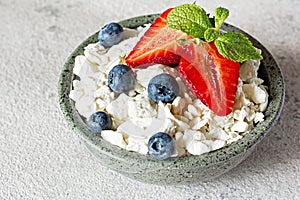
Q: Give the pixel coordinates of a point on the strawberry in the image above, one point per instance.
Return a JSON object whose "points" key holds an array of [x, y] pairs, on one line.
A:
{"points": [[211, 77], [157, 46]]}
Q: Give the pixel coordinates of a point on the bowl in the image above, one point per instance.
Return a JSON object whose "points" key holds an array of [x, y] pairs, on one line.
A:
{"points": [[182, 170]]}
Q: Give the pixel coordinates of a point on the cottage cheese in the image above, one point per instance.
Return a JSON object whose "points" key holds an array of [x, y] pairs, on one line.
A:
{"points": [[195, 129]]}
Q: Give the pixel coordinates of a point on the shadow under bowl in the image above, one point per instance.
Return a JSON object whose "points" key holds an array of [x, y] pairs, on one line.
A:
{"points": [[183, 170]]}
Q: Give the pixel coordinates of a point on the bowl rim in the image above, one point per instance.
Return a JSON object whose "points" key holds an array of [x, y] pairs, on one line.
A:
{"points": [[249, 140]]}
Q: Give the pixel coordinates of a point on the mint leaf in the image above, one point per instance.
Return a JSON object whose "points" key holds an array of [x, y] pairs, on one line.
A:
{"points": [[221, 15], [193, 20], [236, 47], [190, 19], [211, 34]]}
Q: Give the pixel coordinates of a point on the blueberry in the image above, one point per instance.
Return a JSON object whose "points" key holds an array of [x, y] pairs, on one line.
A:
{"points": [[161, 146], [110, 34], [99, 121], [121, 78], [163, 87]]}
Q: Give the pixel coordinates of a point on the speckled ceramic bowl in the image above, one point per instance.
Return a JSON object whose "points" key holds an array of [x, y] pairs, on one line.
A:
{"points": [[182, 170]]}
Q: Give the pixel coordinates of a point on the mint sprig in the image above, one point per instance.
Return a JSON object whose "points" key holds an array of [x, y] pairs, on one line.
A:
{"points": [[193, 20], [189, 18]]}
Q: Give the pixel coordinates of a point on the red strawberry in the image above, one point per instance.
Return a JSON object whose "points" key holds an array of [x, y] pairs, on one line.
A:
{"points": [[211, 77], [158, 45]]}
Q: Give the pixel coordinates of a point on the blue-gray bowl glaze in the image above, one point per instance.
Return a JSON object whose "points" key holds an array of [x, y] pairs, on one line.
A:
{"points": [[183, 170]]}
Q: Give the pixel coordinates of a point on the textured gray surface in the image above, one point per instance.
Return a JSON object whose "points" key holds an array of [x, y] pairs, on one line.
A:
{"points": [[41, 158]]}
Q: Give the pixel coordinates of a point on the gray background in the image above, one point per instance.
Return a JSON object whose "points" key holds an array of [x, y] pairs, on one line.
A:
{"points": [[41, 158]]}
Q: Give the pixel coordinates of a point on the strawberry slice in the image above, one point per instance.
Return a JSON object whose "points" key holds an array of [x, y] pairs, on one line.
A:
{"points": [[211, 77], [157, 46]]}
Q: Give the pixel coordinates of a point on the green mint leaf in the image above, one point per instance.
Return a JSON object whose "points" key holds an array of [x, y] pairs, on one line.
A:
{"points": [[220, 15], [211, 34], [236, 47], [190, 19]]}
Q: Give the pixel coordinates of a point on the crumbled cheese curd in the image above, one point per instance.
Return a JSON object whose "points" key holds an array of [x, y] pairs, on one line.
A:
{"points": [[194, 128]]}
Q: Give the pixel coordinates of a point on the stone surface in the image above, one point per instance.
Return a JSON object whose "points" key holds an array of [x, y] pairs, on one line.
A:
{"points": [[41, 158]]}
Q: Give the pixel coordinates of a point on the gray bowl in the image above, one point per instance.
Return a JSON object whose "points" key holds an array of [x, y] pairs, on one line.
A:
{"points": [[183, 170]]}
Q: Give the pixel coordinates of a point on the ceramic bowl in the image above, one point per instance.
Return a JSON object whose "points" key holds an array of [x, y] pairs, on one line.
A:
{"points": [[183, 170]]}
